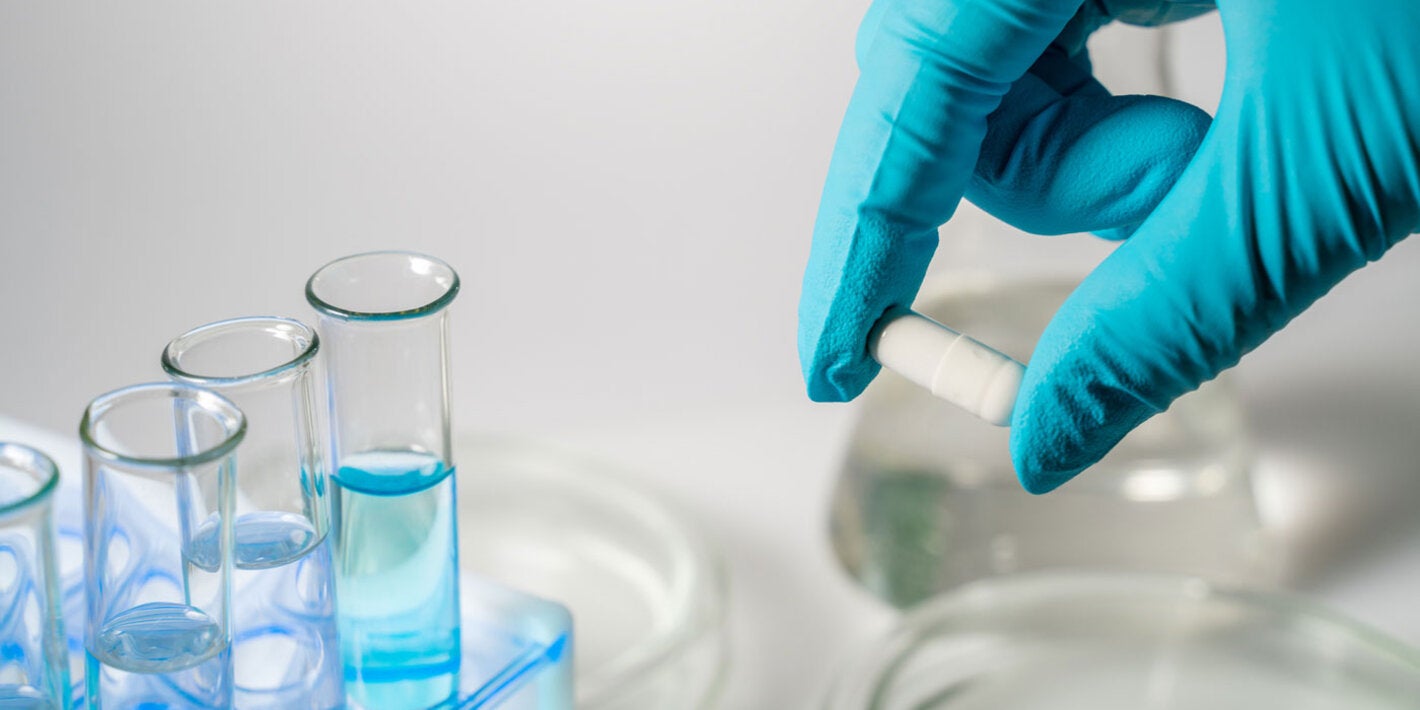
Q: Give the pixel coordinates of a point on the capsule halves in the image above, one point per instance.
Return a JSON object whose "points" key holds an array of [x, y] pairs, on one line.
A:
{"points": [[954, 367]]}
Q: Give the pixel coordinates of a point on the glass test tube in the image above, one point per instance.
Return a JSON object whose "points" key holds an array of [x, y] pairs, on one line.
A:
{"points": [[34, 665], [384, 323], [159, 464], [284, 648]]}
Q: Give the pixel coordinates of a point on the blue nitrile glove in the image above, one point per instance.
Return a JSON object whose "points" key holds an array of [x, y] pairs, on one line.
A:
{"points": [[1310, 169]]}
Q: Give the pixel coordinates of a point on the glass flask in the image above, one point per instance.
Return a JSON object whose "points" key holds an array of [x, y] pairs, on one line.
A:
{"points": [[34, 665], [927, 497], [159, 464], [284, 648], [384, 325], [1125, 642]]}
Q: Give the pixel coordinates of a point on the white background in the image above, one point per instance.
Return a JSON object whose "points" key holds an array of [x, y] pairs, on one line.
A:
{"points": [[627, 189]]}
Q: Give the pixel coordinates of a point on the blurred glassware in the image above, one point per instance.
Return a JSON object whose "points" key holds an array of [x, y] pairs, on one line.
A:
{"points": [[34, 668], [644, 586], [284, 648], [927, 498], [159, 463], [1124, 642]]}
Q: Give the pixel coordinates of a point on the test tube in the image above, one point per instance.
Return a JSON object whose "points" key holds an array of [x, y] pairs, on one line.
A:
{"points": [[284, 648], [34, 664], [384, 325], [159, 464]]}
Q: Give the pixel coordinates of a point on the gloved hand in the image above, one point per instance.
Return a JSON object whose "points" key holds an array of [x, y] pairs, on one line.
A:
{"points": [[1310, 169]]}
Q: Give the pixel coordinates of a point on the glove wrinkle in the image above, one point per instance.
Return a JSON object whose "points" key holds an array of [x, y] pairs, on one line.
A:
{"points": [[932, 72]]}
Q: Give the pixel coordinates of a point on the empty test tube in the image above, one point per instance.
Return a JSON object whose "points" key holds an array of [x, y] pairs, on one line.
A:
{"points": [[954, 367], [159, 464]]}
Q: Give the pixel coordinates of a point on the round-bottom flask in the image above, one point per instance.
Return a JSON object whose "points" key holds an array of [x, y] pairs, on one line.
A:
{"points": [[927, 498]]}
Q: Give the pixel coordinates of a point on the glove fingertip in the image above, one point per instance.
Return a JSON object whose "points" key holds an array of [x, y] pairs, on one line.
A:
{"points": [[1039, 450], [831, 378], [825, 388], [1076, 403], [1056, 438]]}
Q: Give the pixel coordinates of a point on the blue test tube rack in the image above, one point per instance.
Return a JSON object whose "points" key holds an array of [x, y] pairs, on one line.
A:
{"points": [[516, 648]]}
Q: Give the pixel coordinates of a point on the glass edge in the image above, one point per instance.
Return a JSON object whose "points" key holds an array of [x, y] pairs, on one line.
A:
{"points": [[1294, 605], [888, 649], [217, 452], [329, 309], [709, 584], [307, 355], [43, 492]]}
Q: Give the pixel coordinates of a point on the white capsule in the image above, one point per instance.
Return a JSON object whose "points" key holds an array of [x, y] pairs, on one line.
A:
{"points": [[954, 367]]}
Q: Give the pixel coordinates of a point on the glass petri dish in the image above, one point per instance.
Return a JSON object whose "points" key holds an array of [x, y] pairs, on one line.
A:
{"points": [[927, 498], [646, 591], [1126, 642]]}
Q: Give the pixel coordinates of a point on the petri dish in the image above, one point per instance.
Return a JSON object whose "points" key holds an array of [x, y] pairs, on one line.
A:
{"points": [[927, 499], [646, 590], [1126, 642]]}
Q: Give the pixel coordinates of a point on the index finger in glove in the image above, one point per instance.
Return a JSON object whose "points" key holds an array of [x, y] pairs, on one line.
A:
{"points": [[932, 71]]}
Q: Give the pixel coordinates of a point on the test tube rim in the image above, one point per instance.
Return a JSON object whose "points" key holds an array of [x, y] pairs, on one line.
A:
{"points": [[171, 367], [325, 307], [36, 460], [208, 399]]}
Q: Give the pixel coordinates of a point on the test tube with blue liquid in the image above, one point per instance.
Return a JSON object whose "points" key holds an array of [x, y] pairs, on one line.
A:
{"points": [[33, 660], [384, 325], [159, 473], [285, 652]]}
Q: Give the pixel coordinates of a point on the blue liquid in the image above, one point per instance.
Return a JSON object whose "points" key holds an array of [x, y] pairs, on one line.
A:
{"points": [[397, 575], [23, 698], [158, 637], [284, 651], [159, 655]]}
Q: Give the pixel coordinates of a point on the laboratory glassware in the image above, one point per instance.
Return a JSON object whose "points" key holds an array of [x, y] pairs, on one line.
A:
{"points": [[384, 328], [34, 665], [643, 581], [284, 648], [1118, 641], [159, 470], [927, 498]]}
